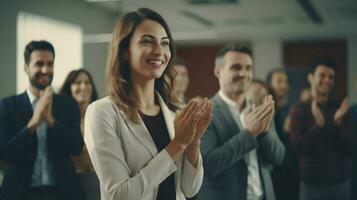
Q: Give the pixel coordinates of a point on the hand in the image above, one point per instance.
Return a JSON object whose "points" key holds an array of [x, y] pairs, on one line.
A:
{"points": [[316, 112], [287, 126], [47, 112], [341, 111], [268, 99], [43, 110], [185, 123], [258, 119], [205, 118]]}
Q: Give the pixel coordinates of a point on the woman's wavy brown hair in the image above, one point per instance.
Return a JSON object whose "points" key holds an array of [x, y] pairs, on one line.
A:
{"points": [[118, 69]]}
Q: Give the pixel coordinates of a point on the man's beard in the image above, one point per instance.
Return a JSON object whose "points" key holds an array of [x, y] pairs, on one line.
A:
{"points": [[34, 83]]}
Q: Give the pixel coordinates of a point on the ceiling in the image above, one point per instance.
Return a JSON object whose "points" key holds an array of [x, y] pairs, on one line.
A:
{"points": [[222, 20]]}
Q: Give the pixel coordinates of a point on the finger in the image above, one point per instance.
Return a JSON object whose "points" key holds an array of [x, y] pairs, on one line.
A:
{"points": [[188, 107], [345, 103], [206, 110], [205, 106], [199, 111], [322, 120], [190, 114], [263, 110], [259, 109], [41, 93], [314, 104], [267, 117]]}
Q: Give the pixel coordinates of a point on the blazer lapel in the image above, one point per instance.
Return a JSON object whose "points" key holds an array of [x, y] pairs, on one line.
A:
{"points": [[140, 131], [225, 113], [169, 117], [142, 134], [23, 109]]}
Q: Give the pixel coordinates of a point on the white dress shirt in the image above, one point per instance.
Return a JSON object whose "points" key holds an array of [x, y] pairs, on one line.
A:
{"points": [[254, 185]]}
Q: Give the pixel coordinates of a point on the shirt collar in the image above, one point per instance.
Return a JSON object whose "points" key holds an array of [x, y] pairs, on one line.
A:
{"points": [[228, 101], [31, 96]]}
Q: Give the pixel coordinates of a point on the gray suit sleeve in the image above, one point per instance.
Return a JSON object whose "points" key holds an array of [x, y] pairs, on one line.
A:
{"points": [[271, 149], [219, 156]]}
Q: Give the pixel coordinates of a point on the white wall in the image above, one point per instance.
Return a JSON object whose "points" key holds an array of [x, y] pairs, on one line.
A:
{"points": [[92, 19], [267, 55]]}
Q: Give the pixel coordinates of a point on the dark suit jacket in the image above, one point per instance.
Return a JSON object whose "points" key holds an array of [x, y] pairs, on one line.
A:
{"points": [[223, 148], [18, 148]]}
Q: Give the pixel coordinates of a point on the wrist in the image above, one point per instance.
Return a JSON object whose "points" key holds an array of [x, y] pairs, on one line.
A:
{"points": [[175, 149], [50, 122], [32, 124], [194, 144]]}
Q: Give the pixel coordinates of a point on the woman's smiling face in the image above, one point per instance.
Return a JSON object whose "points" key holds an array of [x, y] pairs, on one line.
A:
{"points": [[149, 51]]}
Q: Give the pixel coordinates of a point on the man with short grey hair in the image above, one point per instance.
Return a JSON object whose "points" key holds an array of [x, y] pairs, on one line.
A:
{"points": [[240, 145]]}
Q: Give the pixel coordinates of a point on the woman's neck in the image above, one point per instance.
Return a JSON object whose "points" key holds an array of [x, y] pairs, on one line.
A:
{"points": [[145, 94]]}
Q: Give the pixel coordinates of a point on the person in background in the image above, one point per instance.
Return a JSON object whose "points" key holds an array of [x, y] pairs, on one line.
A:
{"points": [[324, 138], [286, 176], [1, 173], [139, 147], [181, 80], [240, 146], [257, 92], [39, 132], [79, 85], [279, 82], [354, 156]]}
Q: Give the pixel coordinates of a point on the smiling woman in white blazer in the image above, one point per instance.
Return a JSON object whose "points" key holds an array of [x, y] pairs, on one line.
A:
{"points": [[122, 148]]}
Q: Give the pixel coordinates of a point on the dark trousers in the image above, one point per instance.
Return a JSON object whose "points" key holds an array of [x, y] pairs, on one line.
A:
{"points": [[325, 192], [45, 193], [90, 183]]}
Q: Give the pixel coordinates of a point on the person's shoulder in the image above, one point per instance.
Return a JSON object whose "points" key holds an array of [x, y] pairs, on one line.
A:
{"points": [[103, 105], [217, 100], [9, 100], [102, 109]]}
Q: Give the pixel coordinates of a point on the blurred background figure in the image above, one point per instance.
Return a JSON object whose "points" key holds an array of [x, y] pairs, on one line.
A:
{"points": [[305, 95], [324, 138], [257, 92], [181, 80], [278, 80], [1, 173], [354, 156], [79, 85], [286, 176]]}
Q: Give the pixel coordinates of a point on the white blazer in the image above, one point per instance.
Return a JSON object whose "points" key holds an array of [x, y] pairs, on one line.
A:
{"points": [[125, 157]]}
